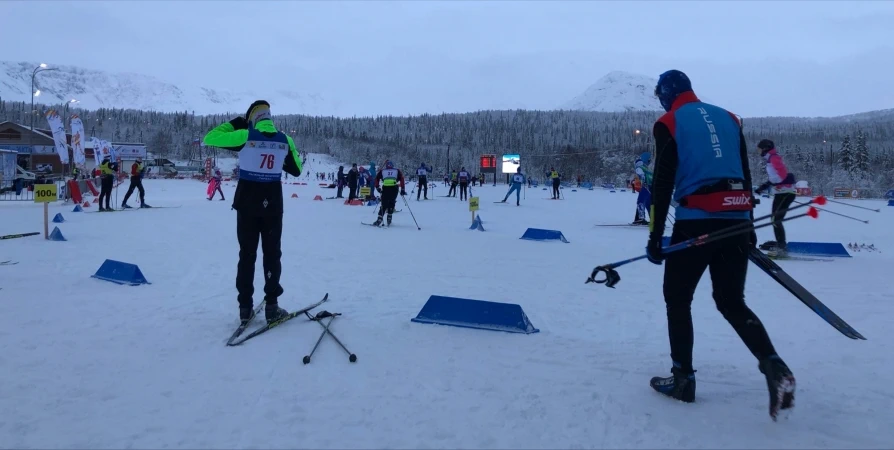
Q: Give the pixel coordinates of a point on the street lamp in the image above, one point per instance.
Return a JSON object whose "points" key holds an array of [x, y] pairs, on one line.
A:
{"points": [[41, 68]]}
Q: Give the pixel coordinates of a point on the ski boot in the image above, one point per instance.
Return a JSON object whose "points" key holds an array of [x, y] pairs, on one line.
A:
{"points": [[274, 313], [767, 245], [642, 222], [389, 220], [680, 385], [378, 222], [777, 251], [126, 206], [145, 205], [245, 314], [780, 384]]}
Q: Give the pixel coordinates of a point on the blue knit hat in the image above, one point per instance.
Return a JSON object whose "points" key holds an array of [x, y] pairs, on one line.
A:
{"points": [[670, 85]]}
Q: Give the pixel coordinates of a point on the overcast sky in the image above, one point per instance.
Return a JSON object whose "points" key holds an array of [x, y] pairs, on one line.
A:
{"points": [[755, 58]]}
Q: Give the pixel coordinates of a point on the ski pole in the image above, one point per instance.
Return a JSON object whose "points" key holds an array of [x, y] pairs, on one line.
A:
{"points": [[323, 314], [839, 214], [854, 206], [13, 236], [306, 359], [411, 212], [611, 275], [612, 278]]}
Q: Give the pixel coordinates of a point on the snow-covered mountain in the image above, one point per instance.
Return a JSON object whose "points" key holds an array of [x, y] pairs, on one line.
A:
{"points": [[98, 89], [617, 92]]}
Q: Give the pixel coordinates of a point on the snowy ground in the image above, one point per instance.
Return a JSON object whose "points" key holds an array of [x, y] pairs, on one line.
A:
{"points": [[90, 364]]}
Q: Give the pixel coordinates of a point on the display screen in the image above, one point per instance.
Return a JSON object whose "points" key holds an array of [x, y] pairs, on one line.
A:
{"points": [[489, 163], [511, 163]]}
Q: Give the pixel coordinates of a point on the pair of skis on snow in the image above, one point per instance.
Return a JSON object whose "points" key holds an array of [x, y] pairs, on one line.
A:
{"points": [[235, 337], [8, 263]]}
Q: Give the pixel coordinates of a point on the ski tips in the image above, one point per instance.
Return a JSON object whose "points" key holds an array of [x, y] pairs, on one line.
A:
{"points": [[820, 200], [813, 212]]}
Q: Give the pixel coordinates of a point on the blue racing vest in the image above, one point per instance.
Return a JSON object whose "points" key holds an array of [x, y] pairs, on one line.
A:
{"points": [[261, 158], [708, 153]]}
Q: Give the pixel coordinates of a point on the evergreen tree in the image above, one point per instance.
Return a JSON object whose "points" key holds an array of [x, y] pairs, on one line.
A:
{"points": [[861, 155], [846, 155]]}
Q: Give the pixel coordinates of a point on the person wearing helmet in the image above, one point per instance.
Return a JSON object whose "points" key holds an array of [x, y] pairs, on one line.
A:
{"points": [[264, 153], [136, 182], [463, 178], [644, 176], [107, 171], [782, 182], [518, 179], [388, 181], [557, 181], [216, 182], [701, 163], [422, 181]]}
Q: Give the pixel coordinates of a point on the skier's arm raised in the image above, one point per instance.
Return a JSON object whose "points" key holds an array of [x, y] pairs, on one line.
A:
{"points": [[292, 164], [231, 135]]}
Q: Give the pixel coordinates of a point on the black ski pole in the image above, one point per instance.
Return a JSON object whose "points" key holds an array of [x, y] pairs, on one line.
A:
{"points": [[323, 314], [855, 206], [411, 212], [14, 236], [839, 214], [611, 275], [306, 359]]}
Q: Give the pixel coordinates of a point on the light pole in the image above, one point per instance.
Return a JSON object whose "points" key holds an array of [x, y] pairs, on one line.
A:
{"points": [[41, 68]]}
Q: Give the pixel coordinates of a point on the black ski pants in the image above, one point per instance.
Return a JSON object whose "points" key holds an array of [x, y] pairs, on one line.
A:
{"points": [[137, 183], [105, 190], [249, 229], [781, 203], [464, 191], [421, 186], [352, 191], [556, 183], [727, 261], [389, 200], [452, 192]]}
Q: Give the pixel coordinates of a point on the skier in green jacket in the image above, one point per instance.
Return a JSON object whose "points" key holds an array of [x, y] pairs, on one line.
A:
{"points": [[264, 153]]}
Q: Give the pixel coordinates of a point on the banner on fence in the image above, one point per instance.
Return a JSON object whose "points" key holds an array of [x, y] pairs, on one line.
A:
{"points": [[58, 130], [77, 141]]}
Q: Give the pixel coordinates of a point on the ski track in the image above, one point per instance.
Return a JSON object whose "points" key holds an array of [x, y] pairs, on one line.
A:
{"points": [[90, 364]]}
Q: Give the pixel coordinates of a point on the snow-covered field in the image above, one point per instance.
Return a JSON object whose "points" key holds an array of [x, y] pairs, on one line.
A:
{"points": [[91, 364]]}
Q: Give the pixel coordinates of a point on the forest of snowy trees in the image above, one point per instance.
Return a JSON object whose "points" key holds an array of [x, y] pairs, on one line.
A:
{"points": [[850, 151]]}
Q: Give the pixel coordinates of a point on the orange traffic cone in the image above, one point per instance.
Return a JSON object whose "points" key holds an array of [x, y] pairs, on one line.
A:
{"points": [[86, 204]]}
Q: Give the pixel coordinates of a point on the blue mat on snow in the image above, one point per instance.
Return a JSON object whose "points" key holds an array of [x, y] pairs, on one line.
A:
{"points": [[831, 249], [477, 314], [536, 234]]}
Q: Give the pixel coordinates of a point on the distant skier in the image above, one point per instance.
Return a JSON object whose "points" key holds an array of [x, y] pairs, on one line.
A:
{"points": [[340, 182], [517, 181], [782, 183], [422, 181], [388, 182], [353, 180], [264, 153], [644, 176], [557, 181], [107, 171], [463, 178], [701, 175], [136, 182], [216, 182], [453, 182]]}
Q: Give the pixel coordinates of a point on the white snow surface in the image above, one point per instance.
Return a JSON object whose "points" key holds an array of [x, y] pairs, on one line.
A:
{"points": [[618, 92], [91, 364], [96, 89]]}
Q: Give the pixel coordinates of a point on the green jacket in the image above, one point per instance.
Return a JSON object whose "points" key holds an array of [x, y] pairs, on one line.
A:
{"points": [[227, 136]]}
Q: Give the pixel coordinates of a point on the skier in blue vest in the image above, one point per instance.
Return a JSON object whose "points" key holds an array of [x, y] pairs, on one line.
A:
{"points": [[518, 179], [644, 200], [701, 163]]}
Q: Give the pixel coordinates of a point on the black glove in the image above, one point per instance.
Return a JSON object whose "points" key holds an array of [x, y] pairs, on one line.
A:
{"points": [[379, 190], [403, 192], [239, 123], [752, 239], [755, 201], [653, 249]]}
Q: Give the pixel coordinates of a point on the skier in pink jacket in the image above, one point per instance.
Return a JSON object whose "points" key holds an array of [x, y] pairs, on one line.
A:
{"points": [[782, 182]]}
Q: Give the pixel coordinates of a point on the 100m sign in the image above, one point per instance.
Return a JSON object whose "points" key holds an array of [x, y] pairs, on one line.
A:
{"points": [[45, 193]]}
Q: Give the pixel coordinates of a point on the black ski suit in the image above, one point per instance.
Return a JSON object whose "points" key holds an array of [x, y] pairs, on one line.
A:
{"points": [[422, 183], [353, 177], [389, 182], [341, 179], [463, 185]]}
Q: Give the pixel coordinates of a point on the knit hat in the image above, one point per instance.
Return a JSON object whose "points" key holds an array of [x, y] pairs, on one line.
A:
{"points": [[766, 145], [258, 111], [670, 85], [389, 164]]}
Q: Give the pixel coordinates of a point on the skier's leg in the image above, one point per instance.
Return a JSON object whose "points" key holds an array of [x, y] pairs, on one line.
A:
{"points": [[728, 267], [271, 245], [248, 231], [682, 272], [142, 191]]}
